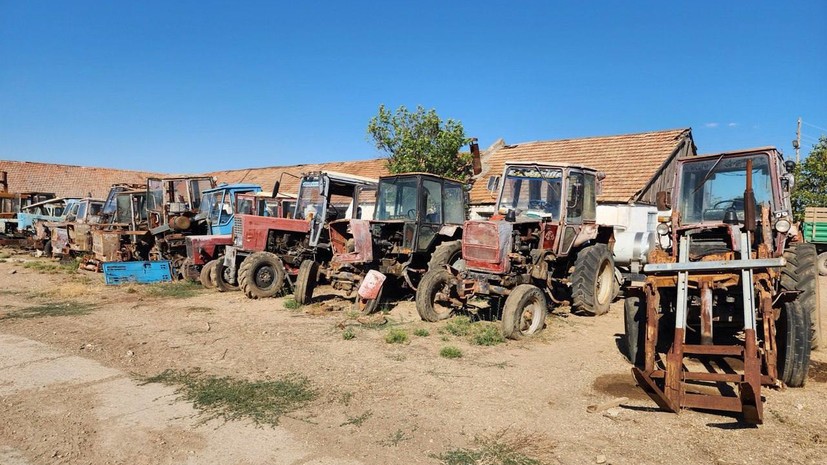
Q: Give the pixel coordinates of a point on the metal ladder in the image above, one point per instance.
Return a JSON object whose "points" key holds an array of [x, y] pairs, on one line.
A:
{"points": [[673, 395]]}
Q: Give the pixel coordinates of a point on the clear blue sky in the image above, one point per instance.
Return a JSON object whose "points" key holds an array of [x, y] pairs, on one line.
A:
{"points": [[193, 86]]}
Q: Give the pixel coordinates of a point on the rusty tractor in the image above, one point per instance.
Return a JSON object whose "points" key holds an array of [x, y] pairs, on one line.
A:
{"points": [[172, 208], [205, 251], [417, 225], [542, 243], [123, 231], [728, 296], [267, 249], [11, 204], [72, 235]]}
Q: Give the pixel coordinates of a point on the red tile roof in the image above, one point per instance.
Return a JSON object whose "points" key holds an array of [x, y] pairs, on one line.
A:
{"points": [[67, 180], [629, 160]]}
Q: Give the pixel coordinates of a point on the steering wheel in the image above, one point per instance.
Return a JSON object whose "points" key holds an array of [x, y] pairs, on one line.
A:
{"points": [[722, 202], [411, 213], [332, 211]]}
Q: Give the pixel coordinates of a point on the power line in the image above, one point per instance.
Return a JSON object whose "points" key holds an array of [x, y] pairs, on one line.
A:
{"points": [[813, 126]]}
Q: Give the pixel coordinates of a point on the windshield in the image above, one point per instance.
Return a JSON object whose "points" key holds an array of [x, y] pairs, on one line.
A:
{"points": [[532, 192], [397, 199], [210, 206], [711, 187], [310, 201]]}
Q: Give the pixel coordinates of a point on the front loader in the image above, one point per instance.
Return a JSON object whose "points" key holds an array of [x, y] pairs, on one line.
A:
{"points": [[728, 300]]}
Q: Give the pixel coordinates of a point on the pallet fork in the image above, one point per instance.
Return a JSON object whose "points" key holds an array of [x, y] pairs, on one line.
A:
{"points": [[668, 386]]}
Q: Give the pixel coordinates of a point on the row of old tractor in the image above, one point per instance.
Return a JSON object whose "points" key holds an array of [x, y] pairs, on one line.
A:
{"points": [[723, 277]]}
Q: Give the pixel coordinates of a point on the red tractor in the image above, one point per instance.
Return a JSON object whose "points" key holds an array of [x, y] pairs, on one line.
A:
{"points": [[543, 243], [729, 297], [205, 251], [266, 248], [417, 225]]}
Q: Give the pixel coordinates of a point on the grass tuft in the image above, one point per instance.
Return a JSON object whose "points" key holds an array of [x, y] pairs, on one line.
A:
{"points": [[450, 352], [175, 290], [68, 308], [486, 333], [503, 448], [421, 332], [263, 401], [357, 421], [458, 326], [291, 304], [396, 336], [49, 267], [348, 334]]}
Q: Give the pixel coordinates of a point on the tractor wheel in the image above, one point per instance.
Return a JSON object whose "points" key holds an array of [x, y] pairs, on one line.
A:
{"points": [[431, 294], [306, 282], [800, 274], [445, 254], [593, 280], [223, 279], [368, 306], [634, 320], [206, 274], [792, 331], [261, 275], [189, 271], [524, 312], [822, 264]]}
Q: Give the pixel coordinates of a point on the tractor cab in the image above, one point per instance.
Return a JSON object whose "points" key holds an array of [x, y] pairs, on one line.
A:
{"points": [[172, 202], [416, 206], [218, 206]]}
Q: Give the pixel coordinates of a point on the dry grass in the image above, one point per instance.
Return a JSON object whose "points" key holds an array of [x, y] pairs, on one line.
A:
{"points": [[505, 447]]}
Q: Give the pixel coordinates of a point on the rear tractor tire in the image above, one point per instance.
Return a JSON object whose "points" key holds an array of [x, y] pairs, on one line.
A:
{"points": [[446, 253], [801, 274], [433, 291], [593, 280], [206, 274], [261, 275], [524, 312], [306, 282]]}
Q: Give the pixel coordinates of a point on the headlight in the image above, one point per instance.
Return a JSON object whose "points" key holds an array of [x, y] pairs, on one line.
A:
{"points": [[782, 225], [662, 229]]}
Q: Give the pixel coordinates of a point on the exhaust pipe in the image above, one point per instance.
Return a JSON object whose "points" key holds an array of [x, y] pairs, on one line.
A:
{"points": [[476, 161]]}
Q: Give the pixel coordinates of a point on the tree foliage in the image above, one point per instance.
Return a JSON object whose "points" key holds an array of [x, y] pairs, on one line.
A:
{"points": [[421, 141], [810, 188]]}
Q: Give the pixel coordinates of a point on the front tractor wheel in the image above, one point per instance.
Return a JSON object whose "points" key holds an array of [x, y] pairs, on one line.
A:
{"points": [[634, 321], [368, 306], [306, 282], [206, 274], [433, 293], [821, 264], [223, 278], [792, 339], [593, 280], [524, 312], [261, 275]]}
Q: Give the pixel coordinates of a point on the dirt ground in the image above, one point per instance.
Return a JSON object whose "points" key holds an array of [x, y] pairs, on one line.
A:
{"points": [[71, 389]]}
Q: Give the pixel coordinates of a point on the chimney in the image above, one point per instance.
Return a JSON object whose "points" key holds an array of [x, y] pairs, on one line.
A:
{"points": [[4, 181], [475, 156]]}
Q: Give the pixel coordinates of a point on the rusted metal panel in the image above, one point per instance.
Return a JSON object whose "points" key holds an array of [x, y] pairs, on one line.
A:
{"points": [[255, 229], [372, 285], [485, 245], [106, 245], [203, 248]]}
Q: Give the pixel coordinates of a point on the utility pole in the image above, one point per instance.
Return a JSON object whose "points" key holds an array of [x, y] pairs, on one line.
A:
{"points": [[797, 141]]}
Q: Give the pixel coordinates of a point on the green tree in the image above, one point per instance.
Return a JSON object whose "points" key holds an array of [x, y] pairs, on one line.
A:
{"points": [[810, 188], [421, 141]]}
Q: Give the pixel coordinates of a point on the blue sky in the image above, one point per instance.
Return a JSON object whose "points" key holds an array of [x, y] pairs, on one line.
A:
{"points": [[194, 86]]}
